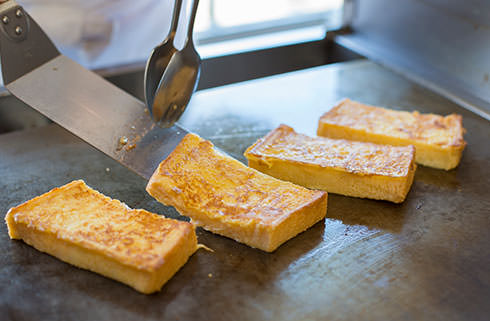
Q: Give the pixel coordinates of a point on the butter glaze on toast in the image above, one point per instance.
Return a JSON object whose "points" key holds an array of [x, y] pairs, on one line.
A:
{"points": [[438, 140], [87, 229], [335, 165], [226, 197]]}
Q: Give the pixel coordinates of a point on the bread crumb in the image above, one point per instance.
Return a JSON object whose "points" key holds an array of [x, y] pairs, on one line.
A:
{"points": [[130, 147], [123, 140], [202, 246]]}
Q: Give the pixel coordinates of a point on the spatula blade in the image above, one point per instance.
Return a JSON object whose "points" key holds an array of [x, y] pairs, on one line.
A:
{"points": [[95, 110]]}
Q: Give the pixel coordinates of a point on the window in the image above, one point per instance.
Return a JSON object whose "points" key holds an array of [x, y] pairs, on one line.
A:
{"points": [[230, 19]]}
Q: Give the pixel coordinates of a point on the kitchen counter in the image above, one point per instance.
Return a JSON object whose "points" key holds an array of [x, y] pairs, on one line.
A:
{"points": [[425, 259]]}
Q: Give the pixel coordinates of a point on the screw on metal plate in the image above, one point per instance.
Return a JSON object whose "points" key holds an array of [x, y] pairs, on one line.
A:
{"points": [[15, 23], [24, 46]]}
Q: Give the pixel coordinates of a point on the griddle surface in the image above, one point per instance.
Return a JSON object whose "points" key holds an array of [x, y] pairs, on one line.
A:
{"points": [[426, 259]]}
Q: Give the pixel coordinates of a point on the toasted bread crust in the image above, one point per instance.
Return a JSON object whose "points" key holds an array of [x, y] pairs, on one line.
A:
{"points": [[335, 165], [83, 227], [283, 143], [438, 140], [228, 198]]}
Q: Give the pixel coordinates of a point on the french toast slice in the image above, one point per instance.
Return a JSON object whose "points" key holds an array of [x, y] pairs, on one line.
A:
{"points": [[338, 166], [228, 198], [438, 140], [83, 227]]}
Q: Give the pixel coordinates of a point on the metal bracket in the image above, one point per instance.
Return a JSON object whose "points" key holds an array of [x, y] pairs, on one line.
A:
{"points": [[14, 23], [23, 44]]}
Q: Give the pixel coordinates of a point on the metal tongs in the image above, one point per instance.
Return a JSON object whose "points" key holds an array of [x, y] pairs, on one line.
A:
{"points": [[79, 100], [171, 75]]}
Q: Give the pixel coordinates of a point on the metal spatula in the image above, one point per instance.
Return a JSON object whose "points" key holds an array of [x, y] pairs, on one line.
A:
{"points": [[84, 103]]}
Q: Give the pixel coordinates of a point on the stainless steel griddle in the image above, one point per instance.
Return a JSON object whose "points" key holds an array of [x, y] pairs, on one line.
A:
{"points": [[425, 259]]}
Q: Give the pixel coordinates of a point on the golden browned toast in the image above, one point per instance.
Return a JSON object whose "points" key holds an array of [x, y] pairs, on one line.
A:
{"points": [[339, 166], [224, 196], [438, 140], [81, 226]]}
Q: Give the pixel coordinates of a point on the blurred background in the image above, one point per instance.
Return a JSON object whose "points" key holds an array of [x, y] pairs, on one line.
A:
{"points": [[440, 44], [107, 33], [237, 40]]}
